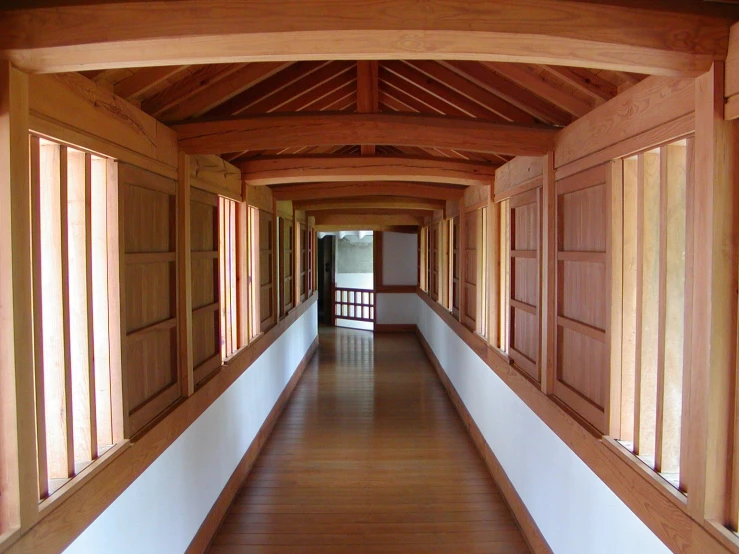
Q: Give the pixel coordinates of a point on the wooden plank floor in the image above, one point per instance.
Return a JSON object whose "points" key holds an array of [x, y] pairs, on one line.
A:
{"points": [[369, 456]]}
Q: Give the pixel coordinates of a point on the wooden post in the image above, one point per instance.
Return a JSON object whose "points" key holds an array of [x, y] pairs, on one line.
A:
{"points": [[714, 300], [548, 275], [19, 501], [184, 277]]}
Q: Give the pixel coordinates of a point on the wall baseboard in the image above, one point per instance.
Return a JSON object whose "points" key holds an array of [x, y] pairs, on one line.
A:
{"points": [[528, 526], [214, 518], [394, 327]]}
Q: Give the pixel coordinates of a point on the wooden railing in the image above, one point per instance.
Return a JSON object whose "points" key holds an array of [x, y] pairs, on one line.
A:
{"points": [[354, 304]]}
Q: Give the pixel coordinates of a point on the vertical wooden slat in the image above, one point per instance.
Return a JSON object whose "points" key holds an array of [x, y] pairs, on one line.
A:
{"points": [[493, 272], [116, 304], [90, 318], [243, 261], [184, 278], [19, 501], [714, 298], [222, 246], [614, 242], [66, 318], [639, 300], [38, 335], [688, 317], [662, 309], [548, 272]]}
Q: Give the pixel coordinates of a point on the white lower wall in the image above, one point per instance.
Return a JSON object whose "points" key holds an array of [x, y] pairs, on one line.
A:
{"points": [[396, 308], [162, 510], [575, 511]]}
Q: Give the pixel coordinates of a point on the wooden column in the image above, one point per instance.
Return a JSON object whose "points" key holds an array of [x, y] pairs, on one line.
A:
{"points": [[548, 272], [184, 277], [19, 495], [712, 331]]}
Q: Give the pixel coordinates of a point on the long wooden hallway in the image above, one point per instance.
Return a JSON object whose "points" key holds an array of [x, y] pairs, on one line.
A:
{"points": [[369, 456]]}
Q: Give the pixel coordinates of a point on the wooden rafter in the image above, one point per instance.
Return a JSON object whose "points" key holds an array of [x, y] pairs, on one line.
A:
{"points": [[586, 81], [421, 100], [557, 32], [297, 130], [510, 92], [213, 93], [311, 169], [144, 80]]}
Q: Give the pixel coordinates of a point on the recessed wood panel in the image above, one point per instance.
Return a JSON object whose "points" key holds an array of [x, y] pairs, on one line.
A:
{"points": [[583, 220], [580, 361], [203, 225], [583, 293], [524, 334], [526, 227], [525, 280], [204, 282], [266, 271], [150, 296], [156, 356], [149, 217], [205, 341]]}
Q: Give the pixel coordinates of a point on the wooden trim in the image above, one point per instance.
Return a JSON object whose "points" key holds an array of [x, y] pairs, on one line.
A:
{"points": [[526, 254], [533, 184], [643, 107], [204, 254], [530, 530], [669, 522], [668, 132], [206, 368], [210, 525], [150, 258], [158, 327], [60, 526], [587, 257], [528, 308], [394, 327], [203, 196], [581, 328], [548, 276], [141, 417], [215, 175]]}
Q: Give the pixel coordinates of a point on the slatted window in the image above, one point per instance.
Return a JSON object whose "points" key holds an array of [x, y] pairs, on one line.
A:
{"points": [[654, 309], [423, 259], [433, 261], [504, 282], [455, 269], [266, 243], [228, 256], [254, 268], [305, 261], [474, 313], [76, 310], [286, 256]]}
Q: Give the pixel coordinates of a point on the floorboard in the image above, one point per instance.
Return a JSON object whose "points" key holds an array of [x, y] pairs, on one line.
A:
{"points": [[369, 456]]}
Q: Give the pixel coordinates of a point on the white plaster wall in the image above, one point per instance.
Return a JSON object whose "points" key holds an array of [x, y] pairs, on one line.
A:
{"points": [[355, 281], [162, 510], [575, 511], [399, 259], [396, 308]]}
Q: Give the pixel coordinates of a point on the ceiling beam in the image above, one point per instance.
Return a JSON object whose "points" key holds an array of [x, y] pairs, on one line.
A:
{"points": [[367, 221], [375, 227], [557, 32], [295, 130], [318, 193], [367, 94], [144, 80], [371, 203], [315, 169]]}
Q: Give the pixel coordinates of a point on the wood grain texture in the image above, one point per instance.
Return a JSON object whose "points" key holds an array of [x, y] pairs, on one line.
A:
{"points": [[72, 38], [264, 132], [312, 169], [369, 456], [360, 191], [216, 175], [520, 170], [649, 104]]}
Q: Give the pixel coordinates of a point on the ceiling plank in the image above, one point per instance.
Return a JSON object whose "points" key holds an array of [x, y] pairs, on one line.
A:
{"points": [[311, 169], [371, 202], [367, 94], [471, 90], [145, 79], [586, 81], [510, 92], [413, 95], [318, 96], [317, 129], [211, 94], [553, 32], [342, 191], [540, 87], [200, 79]]}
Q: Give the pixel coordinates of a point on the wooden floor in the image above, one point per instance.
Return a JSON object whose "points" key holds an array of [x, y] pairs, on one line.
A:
{"points": [[369, 456]]}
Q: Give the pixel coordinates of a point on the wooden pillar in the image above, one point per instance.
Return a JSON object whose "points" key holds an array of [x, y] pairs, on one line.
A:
{"points": [[184, 277], [19, 494], [547, 272], [713, 329]]}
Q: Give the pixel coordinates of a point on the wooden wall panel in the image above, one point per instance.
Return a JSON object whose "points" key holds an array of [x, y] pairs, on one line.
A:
{"points": [[433, 260], [583, 294], [149, 293], [266, 271], [287, 265], [204, 241], [471, 238], [456, 266]]}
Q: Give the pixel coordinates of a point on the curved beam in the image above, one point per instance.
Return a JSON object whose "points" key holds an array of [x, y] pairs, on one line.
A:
{"points": [[556, 32], [280, 170], [268, 132], [326, 192], [370, 203]]}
